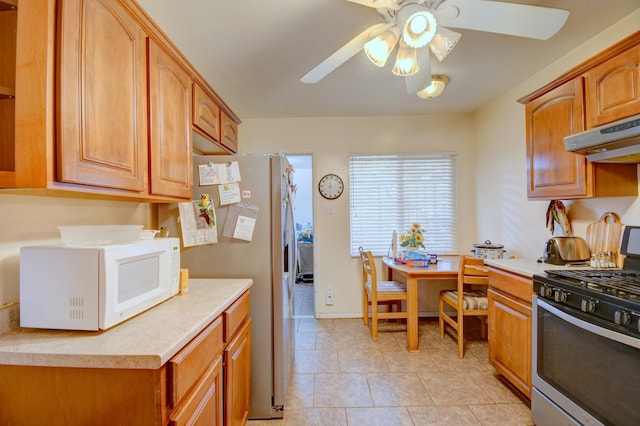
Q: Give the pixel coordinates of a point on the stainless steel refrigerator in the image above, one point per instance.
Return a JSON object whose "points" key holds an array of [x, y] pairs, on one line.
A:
{"points": [[269, 259]]}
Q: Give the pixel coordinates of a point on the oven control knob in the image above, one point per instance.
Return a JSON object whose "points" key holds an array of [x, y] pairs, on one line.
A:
{"points": [[546, 291], [560, 296], [588, 306], [622, 318]]}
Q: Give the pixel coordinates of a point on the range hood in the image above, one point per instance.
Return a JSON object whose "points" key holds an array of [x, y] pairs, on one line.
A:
{"points": [[617, 142]]}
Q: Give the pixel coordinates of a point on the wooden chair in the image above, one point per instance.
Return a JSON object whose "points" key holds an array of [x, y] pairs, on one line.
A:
{"points": [[376, 293], [472, 275]]}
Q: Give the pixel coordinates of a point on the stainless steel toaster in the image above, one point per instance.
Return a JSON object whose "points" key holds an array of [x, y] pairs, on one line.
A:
{"points": [[563, 250]]}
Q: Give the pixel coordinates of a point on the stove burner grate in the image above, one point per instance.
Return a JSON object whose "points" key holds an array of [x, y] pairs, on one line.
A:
{"points": [[616, 282]]}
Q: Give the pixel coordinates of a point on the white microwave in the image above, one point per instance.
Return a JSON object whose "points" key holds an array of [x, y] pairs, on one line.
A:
{"points": [[95, 287]]}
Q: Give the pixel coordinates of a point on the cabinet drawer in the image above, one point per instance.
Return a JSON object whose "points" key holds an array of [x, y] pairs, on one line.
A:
{"points": [[204, 404], [188, 365], [511, 284], [235, 315]]}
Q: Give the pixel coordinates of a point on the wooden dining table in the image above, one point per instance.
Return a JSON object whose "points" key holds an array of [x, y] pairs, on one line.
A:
{"points": [[446, 269]]}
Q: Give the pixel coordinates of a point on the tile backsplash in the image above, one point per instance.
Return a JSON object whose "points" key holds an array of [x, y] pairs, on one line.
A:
{"points": [[9, 317]]}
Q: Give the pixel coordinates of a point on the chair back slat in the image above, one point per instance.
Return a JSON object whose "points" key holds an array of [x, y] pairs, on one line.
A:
{"points": [[391, 295], [472, 272], [368, 269]]}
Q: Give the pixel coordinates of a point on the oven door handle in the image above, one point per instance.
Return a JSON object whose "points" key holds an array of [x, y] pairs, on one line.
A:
{"points": [[573, 319]]}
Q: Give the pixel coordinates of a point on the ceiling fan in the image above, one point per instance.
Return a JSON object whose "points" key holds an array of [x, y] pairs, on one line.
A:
{"points": [[420, 26]]}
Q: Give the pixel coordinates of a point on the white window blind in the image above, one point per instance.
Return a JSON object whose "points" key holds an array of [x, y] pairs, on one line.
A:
{"points": [[390, 192]]}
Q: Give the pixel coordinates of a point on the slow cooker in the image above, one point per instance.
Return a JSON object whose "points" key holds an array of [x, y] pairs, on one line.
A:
{"points": [[488, 250]]}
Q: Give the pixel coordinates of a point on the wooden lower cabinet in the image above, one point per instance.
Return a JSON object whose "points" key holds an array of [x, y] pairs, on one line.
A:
{"points": [[237, 372], [510, 322], [204, 406], [206, 383]]}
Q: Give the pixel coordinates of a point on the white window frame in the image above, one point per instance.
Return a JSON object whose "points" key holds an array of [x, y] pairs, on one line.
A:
{"points": [[391, 192]]}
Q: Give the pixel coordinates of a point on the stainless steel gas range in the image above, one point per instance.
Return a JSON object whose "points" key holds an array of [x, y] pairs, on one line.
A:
{"points": [[586, 343]]}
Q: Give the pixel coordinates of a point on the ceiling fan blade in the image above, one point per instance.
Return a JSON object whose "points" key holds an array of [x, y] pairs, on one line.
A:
{"points": [[388, 4], [422, 78], [345, 53], [520, 20]]}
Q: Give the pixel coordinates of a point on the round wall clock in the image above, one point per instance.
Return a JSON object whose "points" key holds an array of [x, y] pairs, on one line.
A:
{"points": [[331, 186]]}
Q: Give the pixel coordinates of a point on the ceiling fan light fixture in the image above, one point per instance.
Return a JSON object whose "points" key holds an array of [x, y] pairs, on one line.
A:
{"points": [[406, 61], [379, 48], [419, 29], [443, 42], [435, 89]]}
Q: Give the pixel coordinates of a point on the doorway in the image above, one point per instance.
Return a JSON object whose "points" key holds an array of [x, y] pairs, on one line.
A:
{"points": [[303, 301]]}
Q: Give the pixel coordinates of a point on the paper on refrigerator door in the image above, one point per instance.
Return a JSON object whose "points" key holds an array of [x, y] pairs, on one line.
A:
{"points": [[244, 228], [229, 193], [198, 223], [241, 221], [219, 173]]}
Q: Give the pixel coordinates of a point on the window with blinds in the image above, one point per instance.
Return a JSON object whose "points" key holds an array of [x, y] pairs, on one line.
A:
{"points": [[391, 192]]}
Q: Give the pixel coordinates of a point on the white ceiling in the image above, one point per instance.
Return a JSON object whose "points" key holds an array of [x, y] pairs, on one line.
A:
{"points": [[253, 53]]}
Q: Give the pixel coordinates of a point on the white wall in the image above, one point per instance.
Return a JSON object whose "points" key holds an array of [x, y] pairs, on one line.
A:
{"points": [[303, 179], [504, 213], [331, 140]]}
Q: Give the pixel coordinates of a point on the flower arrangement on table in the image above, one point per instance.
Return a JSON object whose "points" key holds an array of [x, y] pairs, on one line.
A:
{"points": [[413, 241], [414, 238]]}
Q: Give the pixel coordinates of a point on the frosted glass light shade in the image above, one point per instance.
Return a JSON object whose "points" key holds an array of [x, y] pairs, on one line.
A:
{"points": [[379, 48], [435, 89], [443, 42], [419, 29], [406, 61]]}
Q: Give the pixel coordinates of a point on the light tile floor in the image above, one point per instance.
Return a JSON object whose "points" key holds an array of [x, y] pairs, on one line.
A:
{"points": [[303, 300], [342, 377]]}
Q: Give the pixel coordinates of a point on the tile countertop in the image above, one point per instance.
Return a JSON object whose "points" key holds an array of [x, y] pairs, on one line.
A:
{"points": [[146, 341], [526, 267]]}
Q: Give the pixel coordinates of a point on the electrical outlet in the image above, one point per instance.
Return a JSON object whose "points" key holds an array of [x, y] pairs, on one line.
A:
{"points": [[329, 300]]}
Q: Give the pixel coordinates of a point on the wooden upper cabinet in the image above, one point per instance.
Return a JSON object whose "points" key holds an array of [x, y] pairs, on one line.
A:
{"points": [[602, 89], [206, 114], [552, 172], [102, 134], [170, 146], [216, 132], [80, 81], [8, 25], [613, 88], [229, 132]]}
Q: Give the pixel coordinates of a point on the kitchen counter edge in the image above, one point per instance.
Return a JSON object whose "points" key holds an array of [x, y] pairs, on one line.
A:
{"points": [[525, 266], [146, 341]]}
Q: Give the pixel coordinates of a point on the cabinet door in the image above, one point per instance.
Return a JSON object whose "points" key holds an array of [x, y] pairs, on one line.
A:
{"points": [[510, 339], [170, 148], [552, 172], [238, 377], [204, 405], [8, 29], [229, 130], [613, 88], [102, 124], [206, 114]]}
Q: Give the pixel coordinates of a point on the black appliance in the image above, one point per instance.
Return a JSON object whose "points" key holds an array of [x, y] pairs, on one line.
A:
{"points": [[586, 343]]}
